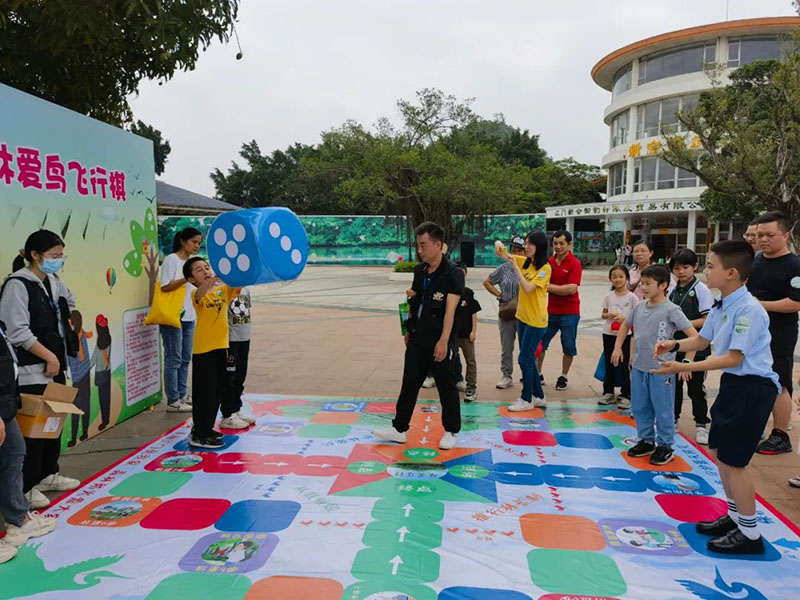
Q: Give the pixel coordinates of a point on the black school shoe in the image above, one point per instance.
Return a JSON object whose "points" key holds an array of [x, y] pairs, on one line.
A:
{"points": [[561, 383], [717, 527], [735, 542], [641, 448], [206, 442], [778, 442], [662, 456]]}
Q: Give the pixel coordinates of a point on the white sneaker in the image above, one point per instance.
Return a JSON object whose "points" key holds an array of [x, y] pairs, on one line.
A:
{"points": [[520, 406], [37, 499], [179, 406], [461, 386], [7, 551], [57, 483], [505, 382], [187, 400], [448, 441], [471, 396], [623, 403], [249, 419], [35, 526], [390, 434], [539, 402], [233, 422], [429, 382], [701, 435], [607, 399]]}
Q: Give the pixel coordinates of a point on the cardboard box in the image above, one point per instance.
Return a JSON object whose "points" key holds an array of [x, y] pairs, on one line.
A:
{"points": [[43, 416]]}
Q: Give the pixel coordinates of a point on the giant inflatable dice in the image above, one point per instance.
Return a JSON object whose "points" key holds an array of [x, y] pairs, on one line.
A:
{"points": [[258, 245]]}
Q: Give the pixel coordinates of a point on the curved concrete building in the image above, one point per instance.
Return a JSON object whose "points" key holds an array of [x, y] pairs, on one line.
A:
{"points": [[649, 81]]}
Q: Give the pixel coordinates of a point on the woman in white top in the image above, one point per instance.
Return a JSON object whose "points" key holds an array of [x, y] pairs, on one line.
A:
{"points": [[178, 341], [643, 258]]}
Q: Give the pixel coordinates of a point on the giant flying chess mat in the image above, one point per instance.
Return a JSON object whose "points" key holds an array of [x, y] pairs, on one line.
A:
{"points": [[305, 504]]}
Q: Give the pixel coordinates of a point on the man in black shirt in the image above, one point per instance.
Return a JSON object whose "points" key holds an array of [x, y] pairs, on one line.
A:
{"points": [[775, 281], [431, 338]]}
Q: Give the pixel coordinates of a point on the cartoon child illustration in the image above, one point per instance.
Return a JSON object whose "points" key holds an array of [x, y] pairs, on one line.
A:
{"points": [[101, 359], [79, 368]]}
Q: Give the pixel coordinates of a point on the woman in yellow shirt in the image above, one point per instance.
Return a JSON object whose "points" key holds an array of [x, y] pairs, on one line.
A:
{"points": [[533, 272]]}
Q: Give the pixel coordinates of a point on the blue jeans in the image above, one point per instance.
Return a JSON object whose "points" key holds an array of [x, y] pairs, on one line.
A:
{"points": [[653, 406], [568, 326], [13, 505], [529, 338], [177, 358]]}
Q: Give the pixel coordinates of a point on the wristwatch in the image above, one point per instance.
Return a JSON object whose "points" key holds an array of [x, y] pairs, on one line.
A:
{"points": [[686, 360], [676, 347]]}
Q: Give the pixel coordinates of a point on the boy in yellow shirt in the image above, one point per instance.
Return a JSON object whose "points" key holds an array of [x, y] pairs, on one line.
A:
{"points": [[210, 379]]}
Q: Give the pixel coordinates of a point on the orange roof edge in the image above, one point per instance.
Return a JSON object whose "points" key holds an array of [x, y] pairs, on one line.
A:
{"points": [[726, 26]]}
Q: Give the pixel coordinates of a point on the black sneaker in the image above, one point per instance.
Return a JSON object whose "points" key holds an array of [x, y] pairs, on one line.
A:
{"points": [[662, 456], [207, 442], [718, 527], [216, 435], [541, 378], [735, 542], [778, 442], [642, 448], [561, 383]]}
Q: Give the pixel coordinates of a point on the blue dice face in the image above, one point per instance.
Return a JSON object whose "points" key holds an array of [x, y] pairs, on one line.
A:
{"points": [[283, 243], [233, 250], [261, 245]]}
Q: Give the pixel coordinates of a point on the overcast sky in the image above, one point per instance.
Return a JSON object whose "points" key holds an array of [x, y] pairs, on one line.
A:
{"points": [[310, 65]]}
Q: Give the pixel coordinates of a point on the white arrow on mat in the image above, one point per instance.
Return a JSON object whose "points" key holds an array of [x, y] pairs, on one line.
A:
{"points": [[427, 419], [612, 478], [424, 440], [408, 508], [396, 562], [402, 531], [323, 465], [563, 475], [426, 429], [277, 464]]}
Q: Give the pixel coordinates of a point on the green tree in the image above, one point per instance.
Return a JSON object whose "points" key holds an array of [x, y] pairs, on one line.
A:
{"points": [[429, 170], [144, 256], [747, 141], [272, 180], [161, 147], [91, 55], [565, 181]]}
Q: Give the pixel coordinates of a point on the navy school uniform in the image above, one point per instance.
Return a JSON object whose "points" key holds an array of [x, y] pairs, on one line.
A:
{"points": [[747, 392]]}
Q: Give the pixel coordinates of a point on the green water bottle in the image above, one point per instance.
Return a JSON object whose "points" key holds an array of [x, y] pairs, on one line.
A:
{"points": [[405, 311]]}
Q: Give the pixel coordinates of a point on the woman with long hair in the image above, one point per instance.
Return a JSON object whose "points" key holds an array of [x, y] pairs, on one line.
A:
{"points": [[35, 306], [533, 272], [178, 340]]}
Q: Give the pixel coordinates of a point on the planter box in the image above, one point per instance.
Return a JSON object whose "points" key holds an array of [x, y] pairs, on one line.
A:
{"points": [[401, 276]]}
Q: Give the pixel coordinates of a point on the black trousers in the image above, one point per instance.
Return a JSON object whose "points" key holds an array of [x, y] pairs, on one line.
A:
{"points": [[238, 354], [82, 401], [41, 456], [104, 396], [418, 363], [697, 392], [610, 380], [210, 385]]}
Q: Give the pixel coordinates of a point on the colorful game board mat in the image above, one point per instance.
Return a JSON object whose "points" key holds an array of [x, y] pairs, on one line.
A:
{"points": [[306, 504]]}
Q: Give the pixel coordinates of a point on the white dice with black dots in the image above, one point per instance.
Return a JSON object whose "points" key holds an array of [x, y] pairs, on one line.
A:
{"points": [[258, 245]]}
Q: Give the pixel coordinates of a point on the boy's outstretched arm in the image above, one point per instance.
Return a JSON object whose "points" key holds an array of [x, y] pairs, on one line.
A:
{"points": [[727, 361]]}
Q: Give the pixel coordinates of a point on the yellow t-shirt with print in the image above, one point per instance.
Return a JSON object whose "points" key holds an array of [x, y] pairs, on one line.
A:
{"points": [[532, 306], [211, 329]]}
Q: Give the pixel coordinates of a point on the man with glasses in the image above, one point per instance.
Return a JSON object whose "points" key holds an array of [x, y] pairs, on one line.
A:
{"points": [[775, 282], [750, 236]]}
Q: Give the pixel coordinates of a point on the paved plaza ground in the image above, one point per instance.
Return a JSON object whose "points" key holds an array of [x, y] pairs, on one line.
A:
{"points": [[335, 332]]}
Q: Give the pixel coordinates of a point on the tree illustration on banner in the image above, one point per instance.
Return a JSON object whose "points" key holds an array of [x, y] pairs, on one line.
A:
{"points": [[144, 256]]}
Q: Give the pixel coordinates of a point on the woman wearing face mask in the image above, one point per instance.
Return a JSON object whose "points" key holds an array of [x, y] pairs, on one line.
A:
{"points": [[33, 303]]}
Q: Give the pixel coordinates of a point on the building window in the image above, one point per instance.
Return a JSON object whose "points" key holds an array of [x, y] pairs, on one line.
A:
{"points": [[655, 173], [662, 115], [689, 59], [616, 179], [619, 129], [743, 51], [622, 80]]}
